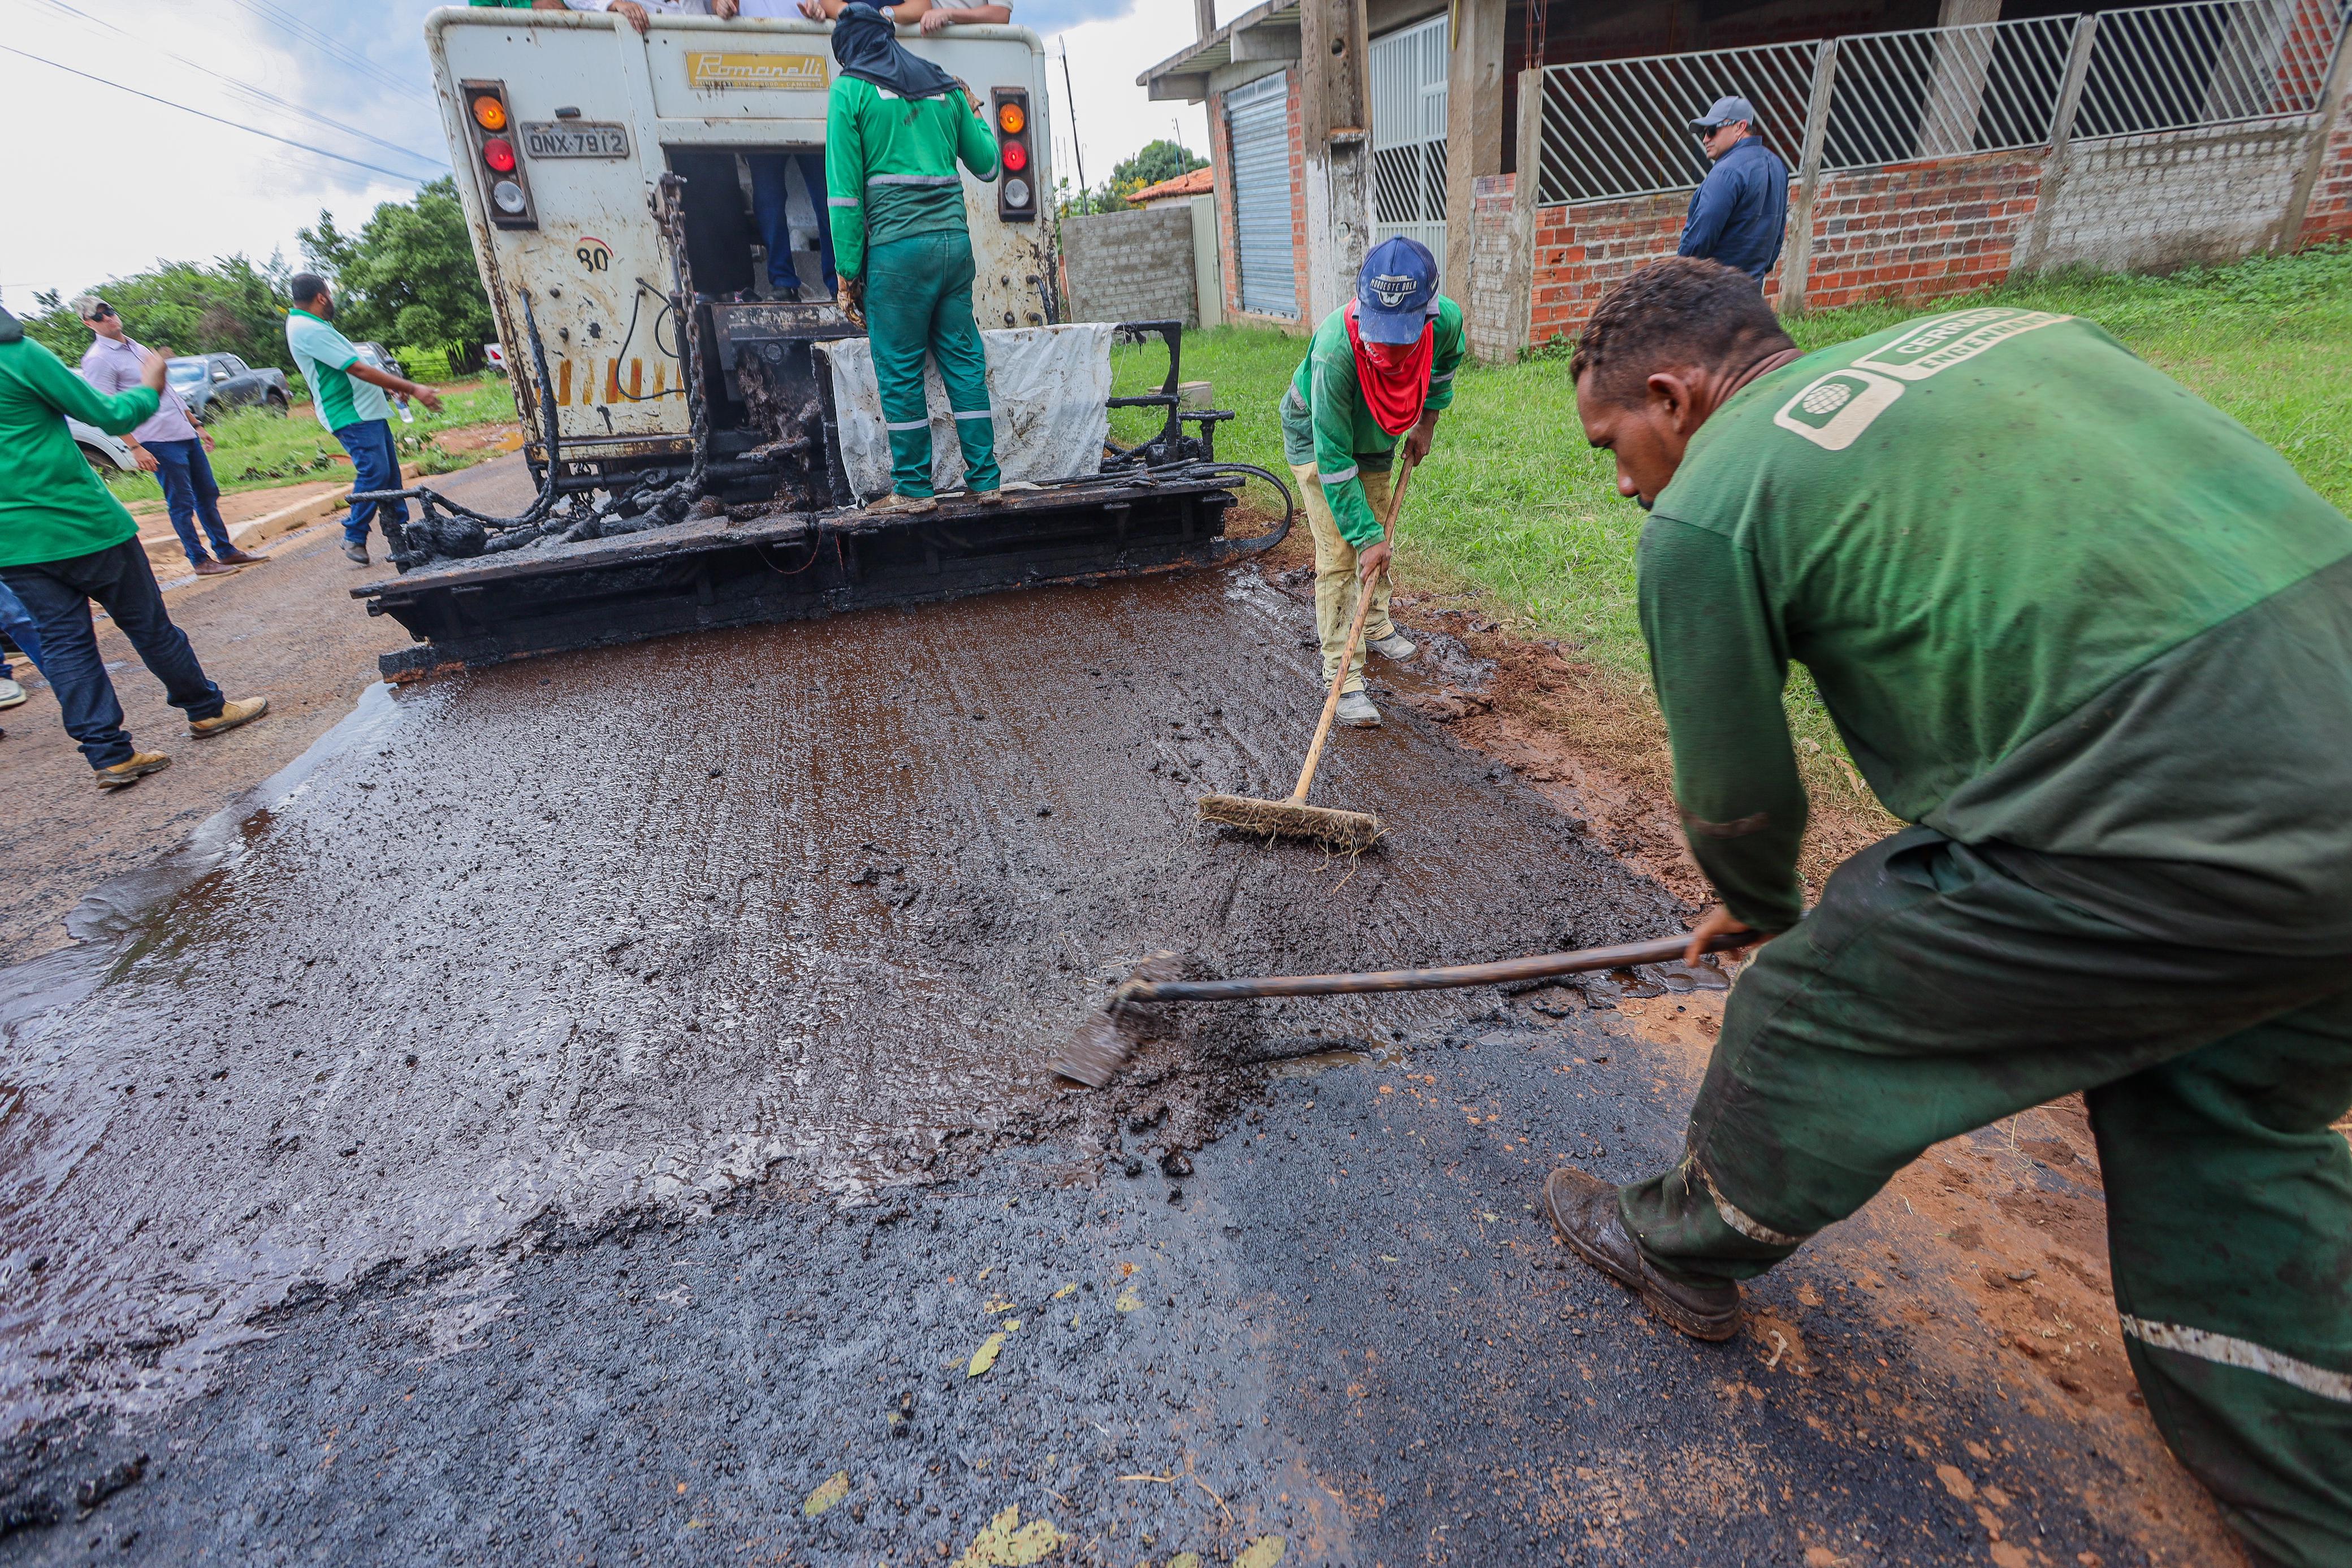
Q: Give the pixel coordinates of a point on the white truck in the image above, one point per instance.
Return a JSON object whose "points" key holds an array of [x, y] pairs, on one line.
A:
{"points": [[692, 424]]}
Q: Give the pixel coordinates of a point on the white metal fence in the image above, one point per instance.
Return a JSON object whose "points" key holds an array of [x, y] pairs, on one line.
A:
{"points": [[1408, 83], [1620, 128]]}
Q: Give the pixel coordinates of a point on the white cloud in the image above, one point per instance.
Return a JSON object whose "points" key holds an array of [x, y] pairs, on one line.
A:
{"points": [[1114, 117]]}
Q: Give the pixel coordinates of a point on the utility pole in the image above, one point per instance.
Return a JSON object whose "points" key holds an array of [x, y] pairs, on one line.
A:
{"points": [[1078, 151]]}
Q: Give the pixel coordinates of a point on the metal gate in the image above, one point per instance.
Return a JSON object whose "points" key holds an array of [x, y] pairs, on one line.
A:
{"points": [[1258, 117], [1409, 135]]}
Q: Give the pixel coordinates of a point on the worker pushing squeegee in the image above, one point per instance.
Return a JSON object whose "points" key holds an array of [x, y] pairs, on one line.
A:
{"points": [[2094, 639]]}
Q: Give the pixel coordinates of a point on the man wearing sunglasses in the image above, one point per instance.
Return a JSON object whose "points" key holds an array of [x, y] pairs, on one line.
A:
{"points": [[168, 446], [1739, 210]]}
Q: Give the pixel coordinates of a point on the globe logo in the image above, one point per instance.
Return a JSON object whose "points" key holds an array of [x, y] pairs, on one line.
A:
{"points": [[1827, 398]]}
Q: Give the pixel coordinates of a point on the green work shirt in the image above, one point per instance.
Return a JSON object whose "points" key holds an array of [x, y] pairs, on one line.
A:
{"points": [[53, 507], [890, 165], [2054, 600], [1325, 421], [325, 357]]}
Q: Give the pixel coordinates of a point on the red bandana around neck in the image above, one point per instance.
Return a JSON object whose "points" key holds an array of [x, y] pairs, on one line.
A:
{"points": [[1394, 396]]}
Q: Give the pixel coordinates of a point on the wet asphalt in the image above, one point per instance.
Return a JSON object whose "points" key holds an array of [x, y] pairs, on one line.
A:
{"points": [[589, 1104]]}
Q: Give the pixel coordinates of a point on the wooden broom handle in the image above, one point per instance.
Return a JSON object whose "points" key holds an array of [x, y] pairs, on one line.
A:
{"points": [[1355, 631]]}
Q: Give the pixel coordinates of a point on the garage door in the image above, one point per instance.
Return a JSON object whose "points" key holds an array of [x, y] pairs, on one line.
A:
{"points": [[1258, 117]]}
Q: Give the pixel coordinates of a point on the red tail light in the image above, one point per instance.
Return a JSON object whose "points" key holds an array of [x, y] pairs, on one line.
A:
{"points": [[498, 153], [500, 175], [1016, 183]]}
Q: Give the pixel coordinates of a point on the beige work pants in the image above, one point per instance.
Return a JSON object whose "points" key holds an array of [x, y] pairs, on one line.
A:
{"points": [[1335, 575]]}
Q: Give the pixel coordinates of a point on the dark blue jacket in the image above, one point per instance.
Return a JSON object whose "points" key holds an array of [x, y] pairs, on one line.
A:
{"points": [[1738, 211]]}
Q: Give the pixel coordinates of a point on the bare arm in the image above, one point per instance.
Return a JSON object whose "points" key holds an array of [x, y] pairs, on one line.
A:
{"points": [[935, 17], [396, 384]]}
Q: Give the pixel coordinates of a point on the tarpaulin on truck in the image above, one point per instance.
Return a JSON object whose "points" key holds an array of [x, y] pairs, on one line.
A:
{"points": [[1050, 387]]}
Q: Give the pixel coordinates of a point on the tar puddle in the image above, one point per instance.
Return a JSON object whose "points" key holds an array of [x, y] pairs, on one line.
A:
{"points": [[809, 906]]}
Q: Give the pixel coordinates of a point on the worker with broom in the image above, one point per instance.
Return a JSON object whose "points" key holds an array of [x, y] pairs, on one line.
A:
{"points": [[1380, 369], [2094, 639], [895, 130]]}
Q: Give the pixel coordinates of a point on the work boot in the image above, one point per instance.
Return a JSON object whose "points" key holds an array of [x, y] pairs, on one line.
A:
{"points": [[123, 774], [206, 567], [1357, 712], [1583, 1210], [996, 497], [1396, 645], [895, 502], [355, 553], [238, 558], [230, 716], [11, 693]]}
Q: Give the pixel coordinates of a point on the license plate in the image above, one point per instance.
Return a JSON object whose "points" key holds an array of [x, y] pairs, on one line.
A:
{"points": [[574, 138]]}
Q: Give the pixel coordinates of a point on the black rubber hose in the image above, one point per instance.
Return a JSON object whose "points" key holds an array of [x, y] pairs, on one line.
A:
{"points": [[1245, 549]]}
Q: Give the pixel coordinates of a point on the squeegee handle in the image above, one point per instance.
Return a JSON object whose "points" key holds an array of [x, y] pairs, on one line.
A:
{"points": [[1355, 634], [1543, 966]]}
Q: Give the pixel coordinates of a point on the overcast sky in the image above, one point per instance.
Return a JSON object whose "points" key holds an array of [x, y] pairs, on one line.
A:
{"points": [[101, 182]]}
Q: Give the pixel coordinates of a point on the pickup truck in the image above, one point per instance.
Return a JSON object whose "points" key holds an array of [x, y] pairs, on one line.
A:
{"points": [[208, 383]]}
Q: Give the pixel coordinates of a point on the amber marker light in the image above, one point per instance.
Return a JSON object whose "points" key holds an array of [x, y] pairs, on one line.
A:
{"points": [[489, 113], [1010, 120]]}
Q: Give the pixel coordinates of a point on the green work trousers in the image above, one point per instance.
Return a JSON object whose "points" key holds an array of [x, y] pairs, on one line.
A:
{"points": [[1935, 991], [919, 302]]}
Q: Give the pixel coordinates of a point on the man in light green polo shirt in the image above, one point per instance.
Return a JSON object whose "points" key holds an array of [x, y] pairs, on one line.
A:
{"points": [[66, 540], [348, 393]]}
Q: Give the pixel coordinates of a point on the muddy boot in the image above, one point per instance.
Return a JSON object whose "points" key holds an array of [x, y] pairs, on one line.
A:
{"points": [[355, 553], [895, 502], [1357, 712], [1583, 1210], [127, 773], [239, 558], [996, 497], [230, 716], [1395, 646]]}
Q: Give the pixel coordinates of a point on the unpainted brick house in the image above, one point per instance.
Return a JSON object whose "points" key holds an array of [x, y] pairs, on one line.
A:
{"points": [[1541, 147]]}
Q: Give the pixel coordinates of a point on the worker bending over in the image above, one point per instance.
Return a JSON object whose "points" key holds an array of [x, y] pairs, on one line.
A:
{"points": [[897, 127], [2094, 639], [1378, 367]]}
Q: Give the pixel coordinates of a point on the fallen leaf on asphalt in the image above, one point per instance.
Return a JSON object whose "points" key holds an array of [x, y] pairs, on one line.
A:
{"points": [[1005, 1542], [1068, 1289], [1263, 1552], [985, 1356], [997, 1304], [1012, 1325], [1127, 1302], [836, 1488], [1185, 1560]]}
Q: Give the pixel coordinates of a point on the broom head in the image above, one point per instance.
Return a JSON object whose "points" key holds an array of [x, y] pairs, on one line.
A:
{"points": [[1346, 832]]}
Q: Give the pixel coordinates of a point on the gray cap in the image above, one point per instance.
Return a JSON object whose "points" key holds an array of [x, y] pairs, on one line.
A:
{"points": [[1726, 110]]}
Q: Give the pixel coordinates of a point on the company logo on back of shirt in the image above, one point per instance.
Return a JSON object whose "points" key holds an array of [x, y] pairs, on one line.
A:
{"points": [[1832, 410]]}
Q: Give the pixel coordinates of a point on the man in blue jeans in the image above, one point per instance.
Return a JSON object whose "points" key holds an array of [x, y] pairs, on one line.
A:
{"points": [[66, 540], [16, 625], [169, 445], [348, 393]]}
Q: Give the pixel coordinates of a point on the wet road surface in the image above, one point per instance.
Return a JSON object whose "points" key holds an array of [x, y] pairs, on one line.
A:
{"points": [[594, 1094]]}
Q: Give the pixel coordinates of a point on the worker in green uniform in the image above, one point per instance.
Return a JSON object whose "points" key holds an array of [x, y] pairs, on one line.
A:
{"points": [[2094, 639], [895, 130], [1379, 369]]}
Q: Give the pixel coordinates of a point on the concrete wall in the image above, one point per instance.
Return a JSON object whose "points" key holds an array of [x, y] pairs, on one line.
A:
{"points": [[2211, 194], [1131, 266]]}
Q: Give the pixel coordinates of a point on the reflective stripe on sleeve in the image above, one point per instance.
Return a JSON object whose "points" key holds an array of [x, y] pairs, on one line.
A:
{"points": [[845, 201], [1446, 377], [2227, 1350], [1340, 478]]}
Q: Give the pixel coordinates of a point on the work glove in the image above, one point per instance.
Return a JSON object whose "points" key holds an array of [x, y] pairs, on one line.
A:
{"points": [[853, 300]]}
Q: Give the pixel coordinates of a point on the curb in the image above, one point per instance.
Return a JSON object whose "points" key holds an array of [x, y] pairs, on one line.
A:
{"points": [[165, 556]]}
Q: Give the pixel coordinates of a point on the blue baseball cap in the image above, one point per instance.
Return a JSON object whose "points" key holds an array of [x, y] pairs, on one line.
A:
{"points": [[1727, 111], [1396, 292]]}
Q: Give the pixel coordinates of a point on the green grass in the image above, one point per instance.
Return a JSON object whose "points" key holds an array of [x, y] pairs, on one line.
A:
{"points": [[253, 449], [1512, 501]]}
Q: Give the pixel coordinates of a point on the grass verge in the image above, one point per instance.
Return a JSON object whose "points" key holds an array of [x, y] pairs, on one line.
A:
{"points": [[253, 449], [1512, 503]]}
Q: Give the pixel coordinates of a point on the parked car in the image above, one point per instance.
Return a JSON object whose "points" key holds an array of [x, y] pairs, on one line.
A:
{"points": [[107, 454], [208, 383], [379, 356]]}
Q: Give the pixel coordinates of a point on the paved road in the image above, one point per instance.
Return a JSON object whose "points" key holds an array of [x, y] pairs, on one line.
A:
{"points": [[598, 1100]]}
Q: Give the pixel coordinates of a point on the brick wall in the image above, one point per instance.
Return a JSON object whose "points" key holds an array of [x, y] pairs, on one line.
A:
{"points": [[2329, 216], [1132, 266], [1939, 226], [2211, 194], [1583, 251]]}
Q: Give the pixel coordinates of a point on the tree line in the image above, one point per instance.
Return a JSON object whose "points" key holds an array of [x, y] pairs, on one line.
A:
{"points": [[406, 280]]}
